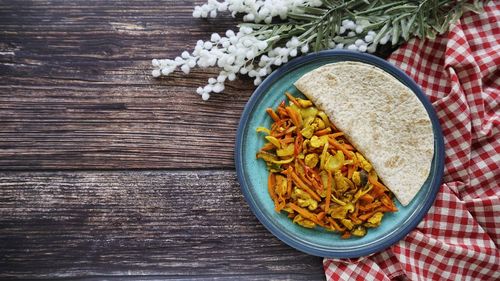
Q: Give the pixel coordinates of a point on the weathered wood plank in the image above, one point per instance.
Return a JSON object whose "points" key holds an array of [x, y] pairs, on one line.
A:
{"points": [[76, 90], [172, 225]]}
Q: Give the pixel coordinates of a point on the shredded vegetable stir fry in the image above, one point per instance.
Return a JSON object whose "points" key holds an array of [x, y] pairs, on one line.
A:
{"points": [[316, 176]]}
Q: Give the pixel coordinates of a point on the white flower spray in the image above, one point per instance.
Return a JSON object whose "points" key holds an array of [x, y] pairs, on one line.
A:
{"points": [[274, 31], [249, 51]]}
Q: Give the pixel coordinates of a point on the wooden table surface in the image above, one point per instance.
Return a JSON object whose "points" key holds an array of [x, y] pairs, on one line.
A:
{"points": [[108, 173]]}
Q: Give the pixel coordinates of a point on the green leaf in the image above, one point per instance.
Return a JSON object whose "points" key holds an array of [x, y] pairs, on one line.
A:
{"points": [[381, 33], [396, 32], [421, 26], [472, 7], [403, 23], [314, 11], [403, 7], [301, 16]]}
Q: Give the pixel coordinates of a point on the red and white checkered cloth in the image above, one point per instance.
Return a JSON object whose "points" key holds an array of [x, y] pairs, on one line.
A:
{"points": [[459, 237]]}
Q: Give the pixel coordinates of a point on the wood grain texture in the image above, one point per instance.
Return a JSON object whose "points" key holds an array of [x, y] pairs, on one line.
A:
{"points": [[177, 225], [76, 90]]}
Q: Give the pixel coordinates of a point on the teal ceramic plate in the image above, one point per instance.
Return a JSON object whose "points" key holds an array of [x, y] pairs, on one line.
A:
{"points": [[252, 173]]}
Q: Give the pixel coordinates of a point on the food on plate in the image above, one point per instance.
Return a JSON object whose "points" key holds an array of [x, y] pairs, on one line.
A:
{"points": [[317, 176], [382, 118]]}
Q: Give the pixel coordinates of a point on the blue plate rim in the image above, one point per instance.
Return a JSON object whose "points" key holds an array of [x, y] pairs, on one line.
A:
{"points": [[350, 56]]}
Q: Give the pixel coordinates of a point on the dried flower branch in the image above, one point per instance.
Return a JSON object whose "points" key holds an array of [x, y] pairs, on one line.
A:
{"points": [[275, 31]]}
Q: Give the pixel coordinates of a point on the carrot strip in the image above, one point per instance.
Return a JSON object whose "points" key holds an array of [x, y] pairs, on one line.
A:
{"points": [[346, 235], [367, 198], [305, 213], [376, 184], [350, 171], [367, 215], [293, 116], [287, 140], [298, 144], [268, 146], [292, 99], [282, 112], [385, 209], [289, 182], [317, 185], [306, 188], [337, 145], [336, 135], [321, 216], [328, 191], [335, 224], [348, 146], [271, 183], [273, 114], [323, 132], [388, 202], [370, 206]]}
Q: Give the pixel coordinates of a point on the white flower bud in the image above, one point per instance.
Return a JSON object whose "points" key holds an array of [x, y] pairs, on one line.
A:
{"points": [[231, 76], [205, 96], [362, 48], [262, 72], [212, 80], [257, 81], [368, 38], [359, 29], [221, 78], [191, 63], [351, 34], [215, 37], [196, 13], [384, 39], [208, 88], [250, 54], [185, 68], [156, 73], [165, 71], [213, 14], [352, 47], [218, 88], [222, 7], [230, 33], [262, 45], [199, 90], [304, 49], [293, 52], [207, 45], [283, 52], [359, 42], [249, 17]]}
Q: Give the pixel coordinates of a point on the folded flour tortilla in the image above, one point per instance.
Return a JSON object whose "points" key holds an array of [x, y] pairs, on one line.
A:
{"points": [[381, 117]]}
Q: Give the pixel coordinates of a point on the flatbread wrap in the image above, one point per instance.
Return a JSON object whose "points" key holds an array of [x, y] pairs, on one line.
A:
{"points": [[381, 117]]}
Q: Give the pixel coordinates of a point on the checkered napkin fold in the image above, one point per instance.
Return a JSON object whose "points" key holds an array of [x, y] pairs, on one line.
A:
{"points": [[459, 237]]}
